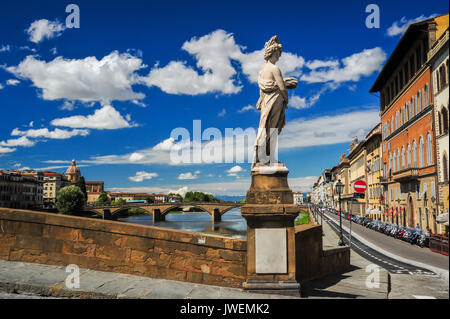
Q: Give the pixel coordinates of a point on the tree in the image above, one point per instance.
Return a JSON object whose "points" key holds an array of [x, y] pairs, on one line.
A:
{"points": [[82, 185], [102, 199], [70, 200]]}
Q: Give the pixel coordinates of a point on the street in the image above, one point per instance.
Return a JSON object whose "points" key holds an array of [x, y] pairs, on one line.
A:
{"points": [[392, 245]]}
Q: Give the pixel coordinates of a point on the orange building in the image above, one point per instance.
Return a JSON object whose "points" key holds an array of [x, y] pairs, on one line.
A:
{"points": [[407, 124]]}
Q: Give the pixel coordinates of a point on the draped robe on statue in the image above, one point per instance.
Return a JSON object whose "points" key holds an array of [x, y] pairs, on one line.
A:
{"points": [[272, 105]]}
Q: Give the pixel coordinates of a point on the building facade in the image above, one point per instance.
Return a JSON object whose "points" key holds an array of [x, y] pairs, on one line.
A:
{"points": [[408, 138], [374, 173], [357, 171], [53, 182], [439, 57], [93, 190], [20, 191]]}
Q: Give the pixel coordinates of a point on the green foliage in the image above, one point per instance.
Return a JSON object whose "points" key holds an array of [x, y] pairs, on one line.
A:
{"points": [[82, 185], [102, 199], [303, 218], [199, 197], [70, 200], [244, 200], [150, 200], [174, 194], [118, 202]]}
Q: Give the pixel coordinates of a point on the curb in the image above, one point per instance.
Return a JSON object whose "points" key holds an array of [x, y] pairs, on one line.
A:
{"points": [[444, 274]]}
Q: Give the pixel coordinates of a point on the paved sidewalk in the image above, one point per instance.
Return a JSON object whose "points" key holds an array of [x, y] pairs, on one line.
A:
{"points": [[47, 280], [351, 284]]}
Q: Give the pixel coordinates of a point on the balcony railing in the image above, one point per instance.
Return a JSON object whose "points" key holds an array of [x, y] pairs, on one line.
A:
{"points": [[406, 174]]}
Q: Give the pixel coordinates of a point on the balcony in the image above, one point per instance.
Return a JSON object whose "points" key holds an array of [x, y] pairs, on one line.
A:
{"points": [[383, 180], [406, 174]]}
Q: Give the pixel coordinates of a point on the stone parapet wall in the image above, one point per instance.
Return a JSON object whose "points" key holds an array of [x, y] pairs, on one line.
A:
{"points": [[123, 248], [312, 261]]}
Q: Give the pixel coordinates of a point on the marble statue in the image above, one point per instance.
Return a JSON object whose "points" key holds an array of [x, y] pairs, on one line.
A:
{"points": [[272, 103]]}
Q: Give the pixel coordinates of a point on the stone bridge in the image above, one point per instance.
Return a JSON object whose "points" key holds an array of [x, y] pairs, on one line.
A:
{"points": [[160, 210]]}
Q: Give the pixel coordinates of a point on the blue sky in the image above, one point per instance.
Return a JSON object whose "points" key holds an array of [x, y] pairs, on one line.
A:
{"points": [[109, 93]]}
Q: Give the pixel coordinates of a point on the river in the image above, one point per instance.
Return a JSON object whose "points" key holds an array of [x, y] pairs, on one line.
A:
{"points": [[232, 224]]}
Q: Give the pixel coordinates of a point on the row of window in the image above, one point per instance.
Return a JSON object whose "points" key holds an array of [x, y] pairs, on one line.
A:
{"points": [[414, 106], [399, 161], [397, 194], [404, 74], [441, 76]]}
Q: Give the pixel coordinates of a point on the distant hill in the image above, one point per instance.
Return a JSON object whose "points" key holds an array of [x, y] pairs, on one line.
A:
{"points": [[231, 198]]}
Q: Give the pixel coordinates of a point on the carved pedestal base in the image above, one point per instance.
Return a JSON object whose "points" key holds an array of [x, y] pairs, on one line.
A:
{"points": [[270, 214]]}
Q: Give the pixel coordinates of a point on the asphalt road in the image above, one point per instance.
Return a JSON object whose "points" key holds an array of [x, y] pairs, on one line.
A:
{"points": [[394, 246]]}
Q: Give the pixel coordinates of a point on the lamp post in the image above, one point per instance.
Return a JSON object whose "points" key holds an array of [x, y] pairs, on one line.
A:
{"points": [[339, 190]]}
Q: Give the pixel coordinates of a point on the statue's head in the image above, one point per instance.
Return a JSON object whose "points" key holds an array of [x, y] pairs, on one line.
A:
{"points": [[272, 47]]}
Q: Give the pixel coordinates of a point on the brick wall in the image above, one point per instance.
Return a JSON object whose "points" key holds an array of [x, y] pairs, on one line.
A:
{"points": [[124, 248]]}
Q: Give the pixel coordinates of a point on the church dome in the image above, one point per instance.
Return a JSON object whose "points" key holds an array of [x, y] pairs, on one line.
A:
{"points": [[73, 169]]}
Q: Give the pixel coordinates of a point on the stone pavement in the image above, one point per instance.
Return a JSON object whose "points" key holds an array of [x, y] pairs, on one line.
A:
{"points": [[351, 284], [401, 286], [47, 280]]}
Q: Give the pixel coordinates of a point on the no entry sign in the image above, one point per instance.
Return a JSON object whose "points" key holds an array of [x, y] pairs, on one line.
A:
{"points": [[360, 186]]}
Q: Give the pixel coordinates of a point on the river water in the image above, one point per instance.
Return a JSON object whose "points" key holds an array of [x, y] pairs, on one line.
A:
{"points": [[232, 224]]}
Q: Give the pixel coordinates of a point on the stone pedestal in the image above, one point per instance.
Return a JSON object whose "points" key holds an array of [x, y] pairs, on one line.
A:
{"points": [[270, 214]]}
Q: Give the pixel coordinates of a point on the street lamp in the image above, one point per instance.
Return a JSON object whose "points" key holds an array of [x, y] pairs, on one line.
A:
{"points": [[339, 189]]}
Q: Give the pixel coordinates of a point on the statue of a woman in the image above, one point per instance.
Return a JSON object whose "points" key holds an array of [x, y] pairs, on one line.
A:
{"points": [[272, 103]]}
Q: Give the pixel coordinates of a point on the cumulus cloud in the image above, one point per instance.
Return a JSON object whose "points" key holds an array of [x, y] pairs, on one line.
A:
{"points": [[141, 176], [46, 133], [21, 141], [399, 27], [214, 53], [1, 86], [235, 170], [44, 29], [86, 80], [188, 175], [353, 68], [106, 118]]}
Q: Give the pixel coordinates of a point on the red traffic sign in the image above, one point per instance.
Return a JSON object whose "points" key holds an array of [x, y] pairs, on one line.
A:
{"points": [[360, 186]]}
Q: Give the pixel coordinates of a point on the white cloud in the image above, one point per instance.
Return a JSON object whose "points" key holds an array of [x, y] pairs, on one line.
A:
{"points": [[399, 27], [46, 133], [248, 108], [86, 80], [41, 29], [315, 64], [21, 141], [235, 170], [105, 118], [54, 51], [141, 176], [5, 48], [213, 53], [222, 113], [12, 82], [1, 86], [67, 105], [4, 150], [298, 102], [326, 130], [187, 175], [354, 67]]}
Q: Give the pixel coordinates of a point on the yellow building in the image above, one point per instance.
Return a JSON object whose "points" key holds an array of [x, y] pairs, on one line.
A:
{"points": [[53, 182], [374, 170], [357, 158]]}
